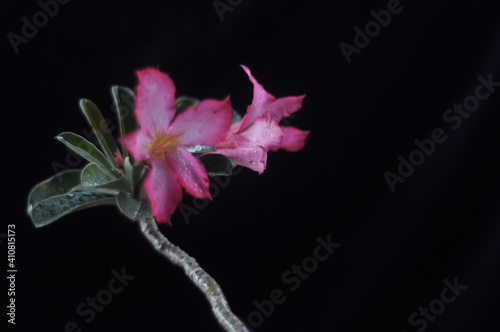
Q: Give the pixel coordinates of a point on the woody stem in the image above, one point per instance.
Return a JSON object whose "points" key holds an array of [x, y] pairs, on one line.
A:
{"points": [[220, 307]]}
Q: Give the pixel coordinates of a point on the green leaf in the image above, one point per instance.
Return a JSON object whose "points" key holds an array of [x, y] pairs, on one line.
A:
{"points": [[88, 151], [129, 173], [112, 187], [100, 127], [124, 103], [133, 208], [92, 175], [217, 164], [184, 102], [134, 174], [94, 178], [58, 184], [55, 207], [236, 117], [199, 148]]}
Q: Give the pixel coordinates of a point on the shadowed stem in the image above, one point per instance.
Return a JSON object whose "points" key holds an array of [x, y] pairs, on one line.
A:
{"points": [[207, 284]]}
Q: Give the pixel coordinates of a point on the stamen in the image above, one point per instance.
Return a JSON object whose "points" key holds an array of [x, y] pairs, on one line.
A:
{"points": [[163, 143]]}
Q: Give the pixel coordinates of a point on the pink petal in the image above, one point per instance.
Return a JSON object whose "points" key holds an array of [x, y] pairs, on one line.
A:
{"points": [[118, 159], [235, 128], [253, 157], [163, 190], [190, 172], [155, 102], [293, 139], [205, 124], [137, 144], [265, 102], [284, 107], [249, 148], [261, 100], [264, 132]]}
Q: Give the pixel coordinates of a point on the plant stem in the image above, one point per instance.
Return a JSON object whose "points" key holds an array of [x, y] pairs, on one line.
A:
{"points": [[226, 318]]}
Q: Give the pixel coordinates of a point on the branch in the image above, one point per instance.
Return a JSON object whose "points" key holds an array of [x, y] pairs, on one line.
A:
{"points": [[229, 321]]}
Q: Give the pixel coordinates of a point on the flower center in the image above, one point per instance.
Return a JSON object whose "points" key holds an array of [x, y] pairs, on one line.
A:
{"points": [[163, 143]]}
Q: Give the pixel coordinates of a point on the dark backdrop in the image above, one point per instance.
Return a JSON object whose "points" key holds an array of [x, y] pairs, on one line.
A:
{"points": [[399, 251]]}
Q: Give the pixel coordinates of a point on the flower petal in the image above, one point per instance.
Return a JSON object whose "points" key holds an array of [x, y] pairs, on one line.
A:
{"points": [[265, 102], [155, 102], [137, 144], [284, 107], [293, 139], [205, 124], [253, 157], [190, 172], [163, 190], [118, 159], [264, 131], [249, 148]]}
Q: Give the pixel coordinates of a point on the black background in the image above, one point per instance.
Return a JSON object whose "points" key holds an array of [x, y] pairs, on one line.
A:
{"points": [[396, 248]]}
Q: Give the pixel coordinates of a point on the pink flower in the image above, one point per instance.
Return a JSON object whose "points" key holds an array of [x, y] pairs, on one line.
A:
{"points": [[249, 140], [118, 159], [161, 138]]}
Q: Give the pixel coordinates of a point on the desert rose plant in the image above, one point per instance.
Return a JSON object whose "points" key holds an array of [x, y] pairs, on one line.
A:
{"points": [[168, 145]]}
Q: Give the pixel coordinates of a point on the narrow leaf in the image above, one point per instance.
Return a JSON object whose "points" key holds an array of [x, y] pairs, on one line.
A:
{"points": [[129, 172], [100, 127], [55, 207], [94, 179], [124, 103], [88, 151], [134, 173], [112, 187], [199, 148], [217, 164], [93, 175], [58, 184], [133, 208]]}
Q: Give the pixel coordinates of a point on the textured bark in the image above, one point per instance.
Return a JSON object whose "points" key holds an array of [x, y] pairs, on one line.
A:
{"points": [[227, 319]]}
